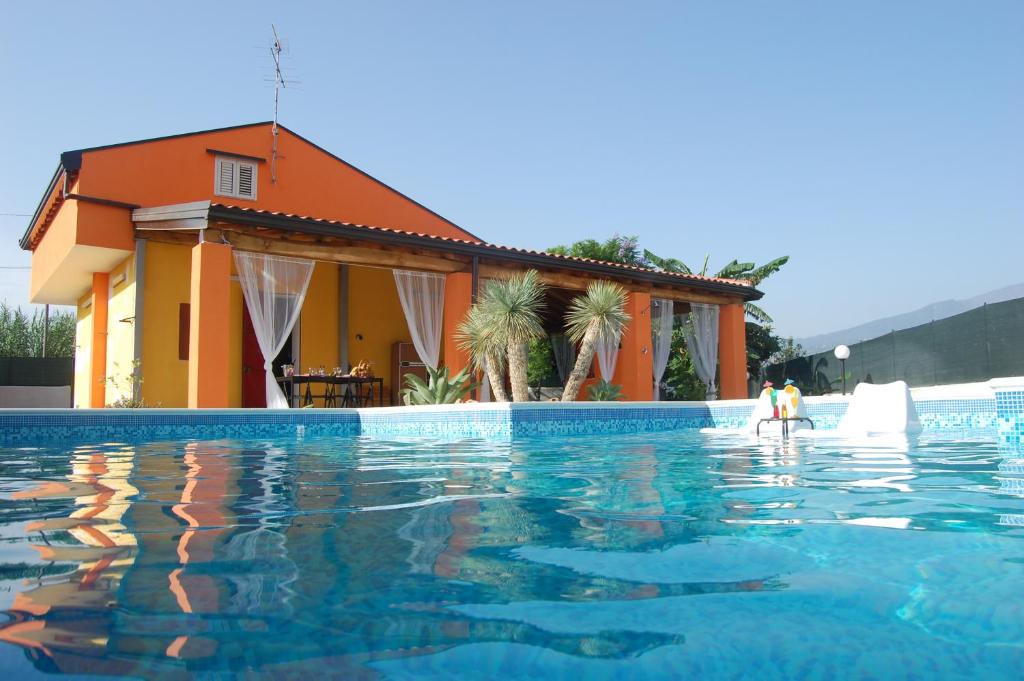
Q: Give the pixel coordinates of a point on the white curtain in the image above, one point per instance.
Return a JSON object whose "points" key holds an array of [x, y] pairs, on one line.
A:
{"points": [[422, 297], [702, 344], [607, 352], [661, 339], [274, 289], [565, 355]]}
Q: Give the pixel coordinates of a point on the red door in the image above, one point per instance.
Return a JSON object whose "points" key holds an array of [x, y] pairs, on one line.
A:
{"points": [[254, 386]]}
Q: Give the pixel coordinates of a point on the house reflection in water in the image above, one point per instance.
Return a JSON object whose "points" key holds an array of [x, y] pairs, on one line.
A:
{"points": [[62, 619], [210, 558]]}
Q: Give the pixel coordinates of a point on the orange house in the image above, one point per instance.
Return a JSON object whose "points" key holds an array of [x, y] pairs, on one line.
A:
{"points": [[139, 237]]}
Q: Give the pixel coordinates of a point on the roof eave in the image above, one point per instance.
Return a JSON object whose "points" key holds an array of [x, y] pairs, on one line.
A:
{"points": [[26, 238], [329, 228]]}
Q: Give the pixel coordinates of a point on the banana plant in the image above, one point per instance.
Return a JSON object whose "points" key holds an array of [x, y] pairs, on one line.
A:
{"points": [[734, 270], [439, 388]]}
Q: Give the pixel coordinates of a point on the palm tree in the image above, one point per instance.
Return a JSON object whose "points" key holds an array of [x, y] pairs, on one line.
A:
{"points": [[510, 309], [486, 350], [734, 270], [599, 313]]}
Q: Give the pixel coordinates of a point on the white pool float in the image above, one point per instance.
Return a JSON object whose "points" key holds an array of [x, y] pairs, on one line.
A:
{"points": [[884, 409]]}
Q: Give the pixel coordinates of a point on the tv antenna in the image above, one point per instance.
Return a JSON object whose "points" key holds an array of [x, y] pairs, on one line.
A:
{"points": [[279, 82]]}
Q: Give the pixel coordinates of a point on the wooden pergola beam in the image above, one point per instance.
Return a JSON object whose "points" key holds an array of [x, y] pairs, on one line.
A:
{"points": [[344, 253], [578, 282], [347, 251]]}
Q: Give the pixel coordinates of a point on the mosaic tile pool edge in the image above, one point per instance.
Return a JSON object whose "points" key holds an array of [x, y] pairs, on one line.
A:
{"points": [[1010, 415], [477, 420]]}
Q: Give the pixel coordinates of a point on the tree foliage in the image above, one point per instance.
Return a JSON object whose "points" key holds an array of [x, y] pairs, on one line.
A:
{"points": [[541, 369], [21, 332], [680, 381], [598, 314], [507, 316], [620, 249]]}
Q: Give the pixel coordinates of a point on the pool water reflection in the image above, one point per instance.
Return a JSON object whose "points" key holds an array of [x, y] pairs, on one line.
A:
{"points": [[653, 556]]}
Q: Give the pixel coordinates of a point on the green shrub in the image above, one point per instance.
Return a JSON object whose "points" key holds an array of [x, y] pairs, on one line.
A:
{"points": [[603, 391], [440, 388]]}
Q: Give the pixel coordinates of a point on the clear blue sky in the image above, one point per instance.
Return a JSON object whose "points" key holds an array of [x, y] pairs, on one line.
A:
{"points": [[878, 143]]}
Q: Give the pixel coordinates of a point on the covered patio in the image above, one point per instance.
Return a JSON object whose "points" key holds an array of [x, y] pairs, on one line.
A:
{"points": [[346, 304]]}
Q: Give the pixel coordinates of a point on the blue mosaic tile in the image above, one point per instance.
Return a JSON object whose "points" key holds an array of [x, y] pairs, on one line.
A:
{"points": [[503, 422], [1010, 416], [956, 414], [450, 424], [591, 420], [136, 425]]}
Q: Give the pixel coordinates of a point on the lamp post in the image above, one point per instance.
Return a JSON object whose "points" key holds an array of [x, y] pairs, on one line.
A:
{"points": [[842, 353]]}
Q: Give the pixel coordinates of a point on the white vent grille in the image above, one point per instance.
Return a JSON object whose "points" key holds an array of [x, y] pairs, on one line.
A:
{"points": [[235, 178], [225, 177]]}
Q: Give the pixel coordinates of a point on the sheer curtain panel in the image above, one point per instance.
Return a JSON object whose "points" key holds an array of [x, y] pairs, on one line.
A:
{"points": [[607, 352], [274, 289], [422, 298], [702, 345], [661, 339]]}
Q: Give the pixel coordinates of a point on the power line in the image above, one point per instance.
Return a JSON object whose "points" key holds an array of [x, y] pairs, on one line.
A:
{"points": [[17, 215]]}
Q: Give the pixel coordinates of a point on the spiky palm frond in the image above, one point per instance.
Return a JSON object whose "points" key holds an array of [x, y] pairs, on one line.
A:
{"points": [[478, 337], [603, 306], [511, 307]]}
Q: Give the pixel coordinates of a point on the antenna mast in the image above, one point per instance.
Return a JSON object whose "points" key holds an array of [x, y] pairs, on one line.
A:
{"points": [[279, 82]]}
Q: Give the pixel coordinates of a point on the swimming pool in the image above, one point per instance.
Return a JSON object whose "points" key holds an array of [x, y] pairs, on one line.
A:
{"points": [[657, 555]]}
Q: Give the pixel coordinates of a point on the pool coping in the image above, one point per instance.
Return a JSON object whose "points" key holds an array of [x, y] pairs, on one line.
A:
{"points": [[994, 408]]}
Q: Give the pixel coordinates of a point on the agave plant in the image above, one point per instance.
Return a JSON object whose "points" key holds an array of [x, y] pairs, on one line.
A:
{"points": [[440, 388], [486, 349], [599, 313], [604, 391], [510, 309]]}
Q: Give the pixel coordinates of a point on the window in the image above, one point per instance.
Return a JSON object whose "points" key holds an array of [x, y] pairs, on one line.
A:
{"points": [[235, 178], [184, 325]]}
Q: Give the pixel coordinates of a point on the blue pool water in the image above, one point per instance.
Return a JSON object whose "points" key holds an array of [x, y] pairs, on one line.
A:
{"points": [[658, 556]]}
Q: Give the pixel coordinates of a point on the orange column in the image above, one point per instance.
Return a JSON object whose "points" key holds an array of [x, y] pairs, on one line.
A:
{"points": [[633, 369], [458, 297], [732, 352], [209, 314], [98, 361]]}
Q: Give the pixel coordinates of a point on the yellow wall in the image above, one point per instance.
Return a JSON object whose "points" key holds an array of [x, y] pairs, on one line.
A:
{"points": [[167, 277], [83, 353], [167, 285], [318, 322], [375, 313], [121, 331]]}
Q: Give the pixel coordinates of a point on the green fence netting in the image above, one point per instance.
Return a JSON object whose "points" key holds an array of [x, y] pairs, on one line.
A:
{"points": [[36, 371], [983, 343]]}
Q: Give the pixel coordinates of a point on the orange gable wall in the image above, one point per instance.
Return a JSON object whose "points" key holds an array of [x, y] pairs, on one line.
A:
{"points": [[309, 181]]}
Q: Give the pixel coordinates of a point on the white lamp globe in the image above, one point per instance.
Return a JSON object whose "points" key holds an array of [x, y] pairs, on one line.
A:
{"points": [[842, 352]]}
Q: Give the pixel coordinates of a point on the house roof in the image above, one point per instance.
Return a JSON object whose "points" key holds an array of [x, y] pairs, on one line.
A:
{"points": [[71, 163], [323, 226]]}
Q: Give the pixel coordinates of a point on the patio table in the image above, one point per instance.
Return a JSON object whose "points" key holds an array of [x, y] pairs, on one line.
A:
{"points": [[298, 390]]}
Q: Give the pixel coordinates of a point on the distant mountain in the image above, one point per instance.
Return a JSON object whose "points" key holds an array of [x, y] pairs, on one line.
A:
{"points": [[879, 327]]}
